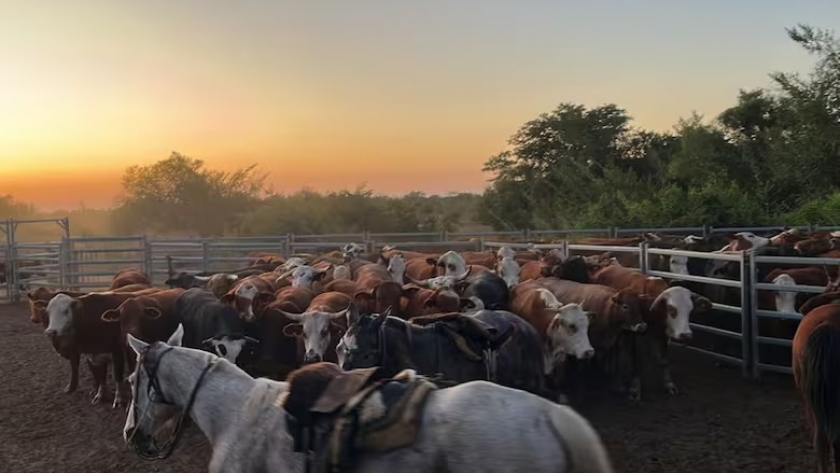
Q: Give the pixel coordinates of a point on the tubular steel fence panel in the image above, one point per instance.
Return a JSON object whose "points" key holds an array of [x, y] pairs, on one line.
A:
{"points": [[734, 334]]}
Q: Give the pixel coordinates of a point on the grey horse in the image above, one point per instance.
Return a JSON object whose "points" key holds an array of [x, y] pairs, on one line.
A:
{"points": [[475, 427]]}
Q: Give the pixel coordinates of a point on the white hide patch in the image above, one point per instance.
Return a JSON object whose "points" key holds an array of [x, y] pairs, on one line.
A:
{"points": [[756, 241], [453, 263], [396, 267], [60, 316], [680, 299], [228, 348], [293, 262], [303, 276], [247, 291], [342, 272], [509, 270], [785, 300], [679, 264], [505, 252]]}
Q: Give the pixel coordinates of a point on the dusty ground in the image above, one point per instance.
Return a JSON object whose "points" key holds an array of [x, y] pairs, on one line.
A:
{"points": [[720, 423]]}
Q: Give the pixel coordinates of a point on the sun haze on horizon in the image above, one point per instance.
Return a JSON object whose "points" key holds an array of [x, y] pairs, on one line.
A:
{"points": [[400, 97]]}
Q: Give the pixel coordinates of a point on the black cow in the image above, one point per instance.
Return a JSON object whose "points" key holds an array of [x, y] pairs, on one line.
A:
{"points": [[488, 287], [211, 325]]}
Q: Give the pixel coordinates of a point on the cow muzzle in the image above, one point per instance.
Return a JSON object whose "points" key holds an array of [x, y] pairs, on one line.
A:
{"points": [[640, 327], [311, 357], [683, 337], [587, 354]]}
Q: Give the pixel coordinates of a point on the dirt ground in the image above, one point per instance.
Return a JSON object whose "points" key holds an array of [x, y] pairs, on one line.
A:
{"points": [[720, 422]]}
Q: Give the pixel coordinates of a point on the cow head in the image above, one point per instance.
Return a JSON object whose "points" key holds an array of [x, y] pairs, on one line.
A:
{"points": [[568, 332], [505, 252], [61, 310], [508, 269], [440, 282], [229, 346], [676, 304], [451, 262], [38, 299], [678, 264], [304, 276], [221, 283], [187, 281], [396, 267], [292, 263], [785, 300], [386, 294], [746, 241], [626, 310], [352, 251], [245, 298], [787, 237], [316, 328]]}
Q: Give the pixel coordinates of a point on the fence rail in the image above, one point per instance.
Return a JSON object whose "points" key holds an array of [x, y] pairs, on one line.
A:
{"points": [[88, 263]]}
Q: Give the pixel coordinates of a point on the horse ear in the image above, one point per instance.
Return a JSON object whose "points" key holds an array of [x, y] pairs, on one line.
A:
{"points": [[136, 344], [177, 337], [380, 319]]}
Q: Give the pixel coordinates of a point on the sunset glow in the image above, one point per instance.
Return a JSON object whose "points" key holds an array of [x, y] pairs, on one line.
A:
{"points": [[330, 95]]}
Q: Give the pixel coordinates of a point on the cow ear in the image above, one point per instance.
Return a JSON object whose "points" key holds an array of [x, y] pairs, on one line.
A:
{"points": [[228, 298], [467, 304], [410, 290], [39, 305], [151, 312], [293, 330], [701, 304], [136, 344], [177, 337], [430, 301], [545, 271], [30, 296], [170, 282], [431, 261], [110, 315]]}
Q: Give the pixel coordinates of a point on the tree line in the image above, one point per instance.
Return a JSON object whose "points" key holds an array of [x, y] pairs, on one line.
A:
{"points": [[772, 157]]}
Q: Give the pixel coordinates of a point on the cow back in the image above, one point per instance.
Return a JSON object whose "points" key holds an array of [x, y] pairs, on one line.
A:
{"points": [[204, 316]]}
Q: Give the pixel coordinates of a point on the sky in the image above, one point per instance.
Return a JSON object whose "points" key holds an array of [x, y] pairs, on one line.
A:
{"points": [[330, 94]]}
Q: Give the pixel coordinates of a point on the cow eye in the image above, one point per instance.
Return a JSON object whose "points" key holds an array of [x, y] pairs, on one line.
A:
{"points": [[573, 328]]}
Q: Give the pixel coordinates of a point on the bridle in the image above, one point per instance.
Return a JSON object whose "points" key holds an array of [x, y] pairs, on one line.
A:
{"points": [[154, 384]]}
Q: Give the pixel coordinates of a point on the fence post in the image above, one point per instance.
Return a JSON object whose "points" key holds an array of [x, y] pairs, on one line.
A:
{"points": [[11, 282], [205, 256], [565, 249], [444, 235], [643, 258], [755, 357], [148, 262], [5, 227], [62, 264], [747, 364], [290, 244], [481, 242]]}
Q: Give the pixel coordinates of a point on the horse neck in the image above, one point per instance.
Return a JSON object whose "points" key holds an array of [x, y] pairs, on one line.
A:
{"points": [[218, 400], [407, 354]]}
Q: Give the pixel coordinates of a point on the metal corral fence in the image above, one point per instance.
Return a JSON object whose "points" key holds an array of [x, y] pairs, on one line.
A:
{"points": [[88, 263]]}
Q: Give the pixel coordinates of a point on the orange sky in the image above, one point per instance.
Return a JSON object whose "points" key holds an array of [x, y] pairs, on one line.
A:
{"points": [[400, 96]]}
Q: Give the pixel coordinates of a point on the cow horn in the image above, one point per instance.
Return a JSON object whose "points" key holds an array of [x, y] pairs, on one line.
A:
{"points": [[423, 283], [464, 276], [250, 339], [202, 278], [343, 313], [207, 341], [291, 316], [284, 276]]}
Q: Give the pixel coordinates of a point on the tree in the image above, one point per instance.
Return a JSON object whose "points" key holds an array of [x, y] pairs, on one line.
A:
{"points": [[179, 195]]}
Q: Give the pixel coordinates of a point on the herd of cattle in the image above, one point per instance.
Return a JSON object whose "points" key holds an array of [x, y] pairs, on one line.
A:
{"points": [[527, 319]]}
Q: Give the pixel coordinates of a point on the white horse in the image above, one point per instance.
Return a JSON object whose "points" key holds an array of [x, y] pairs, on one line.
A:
{"points": [[473, 427]]}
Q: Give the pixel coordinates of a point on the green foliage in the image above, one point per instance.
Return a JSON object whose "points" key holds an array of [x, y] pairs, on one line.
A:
{"points": [[771, 156]]}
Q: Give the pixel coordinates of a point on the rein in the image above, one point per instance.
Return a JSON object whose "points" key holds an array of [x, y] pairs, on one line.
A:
{"points": [[154, 383]]}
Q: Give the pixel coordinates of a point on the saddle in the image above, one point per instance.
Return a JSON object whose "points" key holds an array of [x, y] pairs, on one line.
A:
{"points": [[464, 329], [335, 416]]}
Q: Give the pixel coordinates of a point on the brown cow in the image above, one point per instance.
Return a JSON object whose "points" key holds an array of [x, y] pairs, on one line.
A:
{"points": [[418, 301], [564, 329], [76, 327], [247, 294], [149, 318], [321, 326], [127, 276], [616, 314], [668, 315], [377, 290]]}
